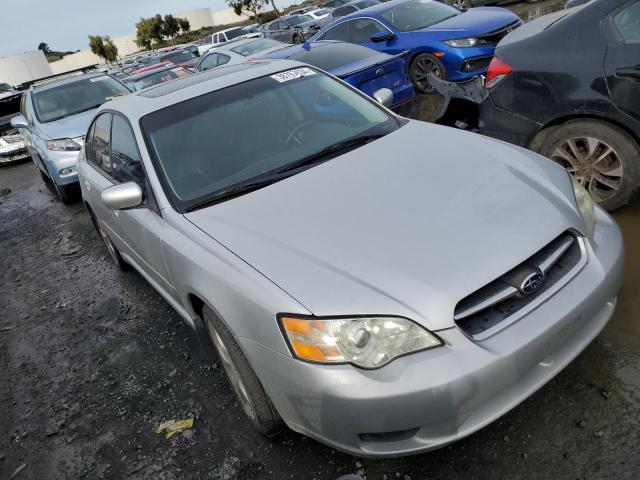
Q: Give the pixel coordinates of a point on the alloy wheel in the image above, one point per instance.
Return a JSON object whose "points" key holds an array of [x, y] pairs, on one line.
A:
{"points": [[594, 163], [420, 69], [232, 374]]}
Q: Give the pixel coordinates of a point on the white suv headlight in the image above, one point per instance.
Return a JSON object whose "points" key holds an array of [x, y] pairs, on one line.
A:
{"points": [[368, 342], [585, 204]]}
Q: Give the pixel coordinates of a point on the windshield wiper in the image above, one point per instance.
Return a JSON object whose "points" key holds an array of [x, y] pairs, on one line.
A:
{"points": [[284, 172], [238, 189], [328, 152]]}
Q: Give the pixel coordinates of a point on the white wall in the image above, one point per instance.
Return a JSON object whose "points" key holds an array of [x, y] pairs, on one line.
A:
{"points": [[226, 16], [26, 66], [198, 18]]}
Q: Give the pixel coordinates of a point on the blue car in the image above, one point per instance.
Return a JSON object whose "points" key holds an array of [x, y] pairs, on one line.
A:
{"points": [[362, 67], [440, 39]]}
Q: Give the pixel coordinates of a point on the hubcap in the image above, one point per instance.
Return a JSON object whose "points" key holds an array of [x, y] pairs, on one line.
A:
{"points": [[594, 163], [232, 373], [421, 68]]}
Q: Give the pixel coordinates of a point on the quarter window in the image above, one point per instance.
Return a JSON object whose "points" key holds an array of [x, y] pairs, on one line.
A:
{"points": [[125, 157], [340, 32], [627, 23]]}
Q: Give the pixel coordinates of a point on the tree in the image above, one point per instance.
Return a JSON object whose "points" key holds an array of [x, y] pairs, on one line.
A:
{"points": [[252, 7], [44, 47], [185, 26], [103, 47], [170, 27]]}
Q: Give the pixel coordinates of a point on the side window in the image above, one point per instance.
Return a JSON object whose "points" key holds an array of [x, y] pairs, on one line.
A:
{"points": [[223, 38], [342, 11], [100, 143], [627, 22], [89, 152], [222, 59], [362, 29], [27, 111], [274, 25], [125, 157], [210, 61], [22, 110], [339, 32], [214, 38]]}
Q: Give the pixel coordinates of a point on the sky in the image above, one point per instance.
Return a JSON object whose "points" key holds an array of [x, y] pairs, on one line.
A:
{"points": [[65, 24]]}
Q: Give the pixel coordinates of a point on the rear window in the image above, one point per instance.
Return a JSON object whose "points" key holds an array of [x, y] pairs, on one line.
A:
{"points": [[256, 46], [334, 56], [234, 33], [157, 78]]}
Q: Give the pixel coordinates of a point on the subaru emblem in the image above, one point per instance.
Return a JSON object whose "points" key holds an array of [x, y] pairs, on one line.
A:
{"points": [[531, 283]]}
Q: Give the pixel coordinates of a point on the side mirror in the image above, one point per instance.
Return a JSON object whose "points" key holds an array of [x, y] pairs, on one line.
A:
{"points": [[384, 96], [19, 122], [382, 37], [120, 197]]}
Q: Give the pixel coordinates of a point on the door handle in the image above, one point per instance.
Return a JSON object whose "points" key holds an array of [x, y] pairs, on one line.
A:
{"points": [[628, 72]]}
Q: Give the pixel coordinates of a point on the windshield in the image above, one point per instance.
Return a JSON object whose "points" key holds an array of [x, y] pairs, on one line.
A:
{"points": [[73, 98], [417, 14], [5, 87], [209, 144], [256, 46], [297, 19], [334, 55], [234, 33], [157, 78]]}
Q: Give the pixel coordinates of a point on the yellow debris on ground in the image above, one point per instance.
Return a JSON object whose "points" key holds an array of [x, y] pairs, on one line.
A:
{"points": [[174, 426]]}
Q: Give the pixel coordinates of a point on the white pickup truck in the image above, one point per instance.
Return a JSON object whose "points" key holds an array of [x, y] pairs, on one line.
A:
{"points": [[223, 36]]}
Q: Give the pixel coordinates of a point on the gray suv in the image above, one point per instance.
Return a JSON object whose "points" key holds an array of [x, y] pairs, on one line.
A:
{"points": [[54, 117]]}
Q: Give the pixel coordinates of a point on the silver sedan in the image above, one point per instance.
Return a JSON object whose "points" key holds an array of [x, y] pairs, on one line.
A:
{"points": [[380, 284], [239, 51]]}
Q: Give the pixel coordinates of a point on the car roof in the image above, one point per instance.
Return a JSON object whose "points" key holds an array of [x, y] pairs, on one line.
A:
{"points": [[139, 104], [56, 82]]}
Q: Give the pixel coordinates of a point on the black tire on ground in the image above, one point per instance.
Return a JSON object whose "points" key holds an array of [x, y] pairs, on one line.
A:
{"points": [[67, 193], [603, 157], [45, 177], [421, 65], [111, 248], [242, 379]]}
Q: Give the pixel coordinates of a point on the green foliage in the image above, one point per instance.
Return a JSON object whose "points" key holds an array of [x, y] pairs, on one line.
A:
{"points": [[103, 47], [252, 7], [268, 16], [154, 31], [44, 47]]}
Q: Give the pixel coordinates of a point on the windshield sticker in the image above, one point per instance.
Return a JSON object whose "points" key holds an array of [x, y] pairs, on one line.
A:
{"points": [[98, 79], [293, 74]]}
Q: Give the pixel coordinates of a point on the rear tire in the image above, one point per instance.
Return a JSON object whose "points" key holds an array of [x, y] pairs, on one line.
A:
{"points": [[241, 377], [602, 157], [421, 65]]}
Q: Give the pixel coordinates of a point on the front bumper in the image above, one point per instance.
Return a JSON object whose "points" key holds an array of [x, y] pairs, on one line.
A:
{"points": [[57, 160], [12, 149], [429, 399]]}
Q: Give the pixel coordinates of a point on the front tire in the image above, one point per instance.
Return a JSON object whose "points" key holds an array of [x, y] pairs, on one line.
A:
{"points": [[422, 65], [67, 193], [601, 156], [241, 377]]}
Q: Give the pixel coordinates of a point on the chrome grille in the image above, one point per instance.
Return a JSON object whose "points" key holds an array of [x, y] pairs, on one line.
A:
{"points": [[503, 301]]}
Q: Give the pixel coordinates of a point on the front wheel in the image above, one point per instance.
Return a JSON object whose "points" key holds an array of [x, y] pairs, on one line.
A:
{"points": [[422, 65], [242, 379], [601, 156], [67, 193]]}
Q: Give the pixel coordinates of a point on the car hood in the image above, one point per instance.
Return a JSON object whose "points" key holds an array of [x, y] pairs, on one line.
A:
{"points": [[407, 225], [68, 127], [475, 21]]}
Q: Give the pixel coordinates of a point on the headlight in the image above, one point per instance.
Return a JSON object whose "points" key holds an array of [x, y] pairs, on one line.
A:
{"points": [[462, 42], [368, 342], [63, 145], [585, 204]]}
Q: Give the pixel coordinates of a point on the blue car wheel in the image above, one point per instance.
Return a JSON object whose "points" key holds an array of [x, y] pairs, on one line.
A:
{"points": [[421, 66]]}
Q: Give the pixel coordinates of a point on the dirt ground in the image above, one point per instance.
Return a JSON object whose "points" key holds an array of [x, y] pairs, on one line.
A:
{"points": [[93, 360]]}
